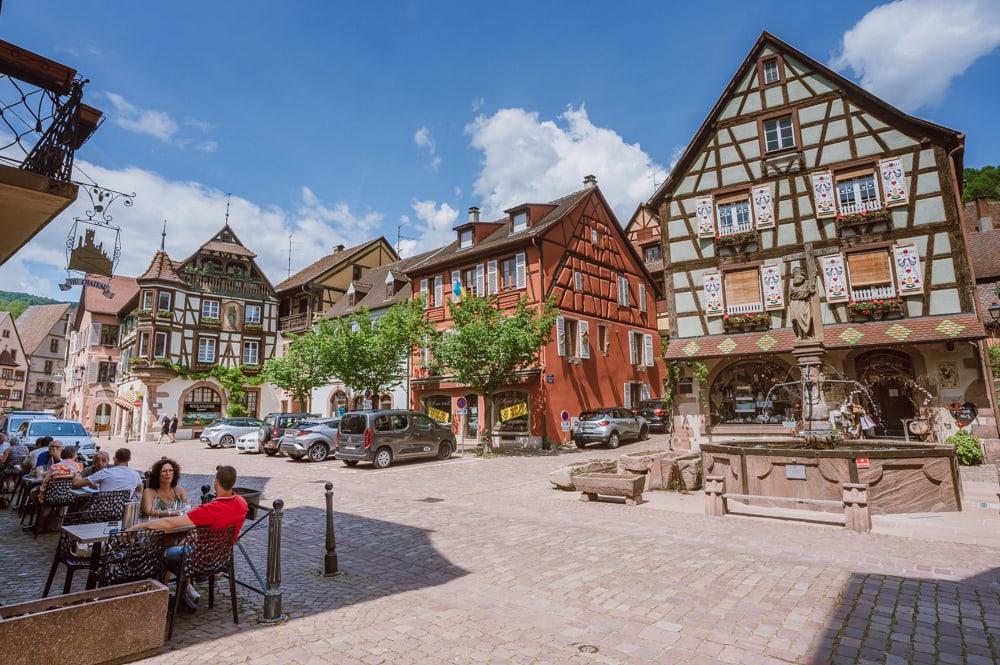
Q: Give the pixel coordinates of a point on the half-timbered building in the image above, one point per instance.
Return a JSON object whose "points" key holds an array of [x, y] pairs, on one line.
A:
{"points": [[796, 166], [44, 330], [13, 366], [643, 231], [604, 350], [214, 308]]}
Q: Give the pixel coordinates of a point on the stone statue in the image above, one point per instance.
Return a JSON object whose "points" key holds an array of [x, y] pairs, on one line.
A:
{"points": [[800, 309]]}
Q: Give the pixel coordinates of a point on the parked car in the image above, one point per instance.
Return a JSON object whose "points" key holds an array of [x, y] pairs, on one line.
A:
{"points": [[610, 425], [383, 435], [11, 422], [274, 428], [70, 432], [225, 431], [249, 443], [314, 439], [656, 415]]}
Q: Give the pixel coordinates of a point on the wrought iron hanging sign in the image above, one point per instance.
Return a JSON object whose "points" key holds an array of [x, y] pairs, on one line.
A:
{"points": [[93, 245]]}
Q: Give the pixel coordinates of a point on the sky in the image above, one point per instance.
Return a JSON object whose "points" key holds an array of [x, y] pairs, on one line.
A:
{"points": [[335, 122]]}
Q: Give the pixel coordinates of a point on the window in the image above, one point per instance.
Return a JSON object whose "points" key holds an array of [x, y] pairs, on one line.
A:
{"points": [[164, 301], [594, 237], [423, 423], [520, 222], [424, 294], [54, 345], [743, 291], [251, 314], [109, 335], [147, 300], [779, 133], [251, 352], [206, 350], [6, 333], [438, 408], [603, 338], [771, 72], [857, 192], [7, 374], [870, 275], [508, 268], [635, 347], [48, 366], [160, 345], [40, 387], [465, 239], [734, 217], [651, 253], [642, 297], [143, 351], [577, 280], [50, 388], [623, 295], [469, 281], [572, 336], [18, 375], [15, 395], [513, 413], [106, 372], [210, 309], [356, 272]]}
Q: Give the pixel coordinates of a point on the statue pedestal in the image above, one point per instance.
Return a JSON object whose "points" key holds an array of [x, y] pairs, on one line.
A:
{"points": [[817, 430]]}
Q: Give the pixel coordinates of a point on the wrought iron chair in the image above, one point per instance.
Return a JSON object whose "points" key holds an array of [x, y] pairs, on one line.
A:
{"points": [[103, 507], [58, 497], [211, 553], [10, 480], [65, 555], [130, 556]]}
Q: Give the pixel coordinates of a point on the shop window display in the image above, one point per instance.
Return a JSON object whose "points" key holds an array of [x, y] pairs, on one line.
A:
{"points": [[438, 407], [511, 412], [740, 395]]}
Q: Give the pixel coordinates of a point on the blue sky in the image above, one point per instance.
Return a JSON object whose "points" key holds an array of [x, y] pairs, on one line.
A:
{"points": [[336, 121]]}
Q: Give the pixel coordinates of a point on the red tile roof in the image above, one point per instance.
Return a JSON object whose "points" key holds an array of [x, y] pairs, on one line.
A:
{"points": [[35, 323], [984, 248], [161, 268], [123, 289]]}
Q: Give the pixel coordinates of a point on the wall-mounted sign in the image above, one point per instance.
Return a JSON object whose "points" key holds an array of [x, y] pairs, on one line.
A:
{"points": [[461, 402], [565, 426], [104, 287], [550, 378], [863, 463], [795, 471], [564, 415]]}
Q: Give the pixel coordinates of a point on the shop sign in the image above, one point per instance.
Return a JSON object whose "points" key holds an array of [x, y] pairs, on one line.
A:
{"points": [[514, 411], [439, 415], [863, 463]]}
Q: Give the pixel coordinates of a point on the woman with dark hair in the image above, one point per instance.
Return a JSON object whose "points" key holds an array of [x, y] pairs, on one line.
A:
{"points": [[162, 496]]}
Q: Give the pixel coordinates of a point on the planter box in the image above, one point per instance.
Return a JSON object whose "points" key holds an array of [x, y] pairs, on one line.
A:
{"points": [[563, 478], [629, 486], [116, 624]]}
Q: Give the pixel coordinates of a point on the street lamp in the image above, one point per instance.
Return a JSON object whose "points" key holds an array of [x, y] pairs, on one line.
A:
{"points": [[994, 311]]}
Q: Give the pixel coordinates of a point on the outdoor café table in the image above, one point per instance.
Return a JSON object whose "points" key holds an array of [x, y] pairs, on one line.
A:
{"points": [[29, 482], [96, 534]]}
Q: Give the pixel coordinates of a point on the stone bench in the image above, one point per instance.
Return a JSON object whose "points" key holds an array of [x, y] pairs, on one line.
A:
{"points": [[592, 485]]}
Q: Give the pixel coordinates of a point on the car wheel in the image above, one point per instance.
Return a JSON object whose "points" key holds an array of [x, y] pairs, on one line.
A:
{"points": [[581, 444], [296, 457], [644, 433], [382, 459], [317, 452], [444, 450], [613, 440], [228, 441], [270, 453], [350, 462]]}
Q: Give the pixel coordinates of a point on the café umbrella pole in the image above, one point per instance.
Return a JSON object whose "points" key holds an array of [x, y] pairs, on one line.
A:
{"points": [[272, 591]]}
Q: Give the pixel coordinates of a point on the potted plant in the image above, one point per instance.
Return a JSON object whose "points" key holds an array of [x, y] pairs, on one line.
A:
{"points": [[874, 309], [863, 218], [164, 314], [143, 313], [752, 321]]}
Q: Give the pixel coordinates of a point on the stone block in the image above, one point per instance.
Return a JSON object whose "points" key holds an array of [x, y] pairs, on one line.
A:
{"points": [[562, 478]]}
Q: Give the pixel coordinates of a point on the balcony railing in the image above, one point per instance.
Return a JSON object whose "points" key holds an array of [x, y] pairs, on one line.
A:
{"points": [[748, 308], [858, 207], [874, 293], [293, 322], [227, 284], [736, 227]]}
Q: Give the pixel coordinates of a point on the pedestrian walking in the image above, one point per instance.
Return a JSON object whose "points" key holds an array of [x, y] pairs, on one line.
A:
{"points": [[173, 428], [164, 429]]}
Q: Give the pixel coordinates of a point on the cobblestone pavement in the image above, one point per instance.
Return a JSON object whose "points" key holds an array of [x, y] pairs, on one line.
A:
{"points": [[505, 570]]}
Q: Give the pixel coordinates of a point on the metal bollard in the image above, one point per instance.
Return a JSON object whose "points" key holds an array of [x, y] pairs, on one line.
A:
{"points": [[272, 590], [205, 494], [330, 566]]}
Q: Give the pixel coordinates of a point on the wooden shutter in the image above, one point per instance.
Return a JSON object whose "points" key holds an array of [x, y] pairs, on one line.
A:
{"points": [[642, 297], [706, 219], [712, 285], [834, 278], [628, 396], [95, 334], [908, 274], [577, 280], [561, 335], [869, 268], [438, 291], [742, 287], [631, 348], [520, 261], [491, 277], [762, 206], [583, 344], [772, 286], [647, 350], [645, 391], [456, 284], [92, 372], [480, 280], [822, 183], [893, 181]]}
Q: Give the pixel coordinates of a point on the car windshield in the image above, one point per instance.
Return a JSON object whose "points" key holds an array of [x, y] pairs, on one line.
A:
{"points": [[353, 423], [15, 421], [651, 404], [593, 415], [56, 429]]}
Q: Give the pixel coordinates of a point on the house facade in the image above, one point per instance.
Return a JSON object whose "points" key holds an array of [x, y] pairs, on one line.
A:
{"points": [[604, 349], [644, 232], [44, 331], [214, 308], [93, 355], [796, 167], [13, 366]]}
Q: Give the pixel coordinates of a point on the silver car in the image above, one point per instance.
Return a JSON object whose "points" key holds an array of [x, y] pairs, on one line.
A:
{"points": [[70, 432], [312, 438], [224, 432], [610, 425]]}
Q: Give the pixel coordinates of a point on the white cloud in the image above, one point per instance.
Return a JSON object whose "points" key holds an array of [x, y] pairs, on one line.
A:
{"points": [[478, 104], [208, 146], [422, 137], [526, 159], [909, 51], [158, 124], [434, 228]]}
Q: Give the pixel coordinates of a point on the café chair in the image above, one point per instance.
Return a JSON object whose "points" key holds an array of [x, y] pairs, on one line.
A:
{"points": [[130, 556], [211, 553], [10, 480], [58, 497], [67, 556], [103, 507]]}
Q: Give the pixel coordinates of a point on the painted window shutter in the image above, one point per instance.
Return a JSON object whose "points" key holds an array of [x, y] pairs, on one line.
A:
{"points": [[642, 297], [893, 182], [561, 335], [706, 219], [95, 334], [456, 284], [480, 280], [628, 396], [520, 261], [438, 295], [577, 280], [772, 287], [822, 183], [647, 350], [583, 343], [645, 391], [909, 279], [631, 348], [834, 278], [92, 372], [712, 285], [763, 206], [423, 293], [491, 277], [623, 291]]}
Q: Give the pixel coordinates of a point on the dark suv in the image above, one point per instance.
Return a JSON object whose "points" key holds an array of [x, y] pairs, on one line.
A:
{"points": [[274, 428], [656, 415], [385, 435]]}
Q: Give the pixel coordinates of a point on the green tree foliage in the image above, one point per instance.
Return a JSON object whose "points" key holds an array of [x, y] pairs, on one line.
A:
{"points": [[369, 353], [967, 448], [16, 302], [232, 379], [984, 182], [304, 366], [486, 347]]}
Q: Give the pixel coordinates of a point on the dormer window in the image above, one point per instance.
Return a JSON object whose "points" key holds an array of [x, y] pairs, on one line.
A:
{"points": [[390, 282], [519, 221], [771, 73], [465, 238]]}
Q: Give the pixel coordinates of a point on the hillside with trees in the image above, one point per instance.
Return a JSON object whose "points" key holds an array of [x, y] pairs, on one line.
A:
{"points": [[981, 183], [16, 302]]}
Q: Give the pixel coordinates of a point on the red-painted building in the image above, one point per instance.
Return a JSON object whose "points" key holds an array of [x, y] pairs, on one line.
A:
{"points": [[605, 350]]}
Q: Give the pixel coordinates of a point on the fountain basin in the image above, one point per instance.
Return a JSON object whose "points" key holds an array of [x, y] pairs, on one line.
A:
{"points": [[903, 477]]}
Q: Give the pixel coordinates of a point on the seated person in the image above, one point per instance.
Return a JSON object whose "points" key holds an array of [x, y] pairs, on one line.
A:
{"points": [[162, 496], [41, 456], [100, 461], [66, 467], [113, 478], [13, 455]]}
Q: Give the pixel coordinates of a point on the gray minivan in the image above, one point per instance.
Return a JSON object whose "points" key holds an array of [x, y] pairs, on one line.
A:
{"points": [[385, 435]]}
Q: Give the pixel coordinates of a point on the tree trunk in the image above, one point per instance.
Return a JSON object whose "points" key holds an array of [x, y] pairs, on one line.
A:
{"points": [[486, 423]]}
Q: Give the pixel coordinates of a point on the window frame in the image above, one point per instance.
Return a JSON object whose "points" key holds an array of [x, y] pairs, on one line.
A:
{"points": [[256, 307], [218, 309], [143, 340], [892, 284], [796, 132], [54, 345], [466, 238], [603, 338], [159, 301], [762, 70], [654, 246], [760, 289], [166, 343], [856, 171], [516, 218], [502, 273], [215, 349], [246, 347], [147, 299], [730, 202]]}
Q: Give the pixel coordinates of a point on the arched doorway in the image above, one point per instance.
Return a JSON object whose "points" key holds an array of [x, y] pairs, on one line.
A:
{"points": [[358, 403], [338, 403], [201, 405], [890, 378], [102, 417], [739, 394]]}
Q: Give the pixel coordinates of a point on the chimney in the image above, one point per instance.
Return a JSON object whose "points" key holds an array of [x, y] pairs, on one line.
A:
{"points": [[338, 248], [474, 215], [589, 182]]}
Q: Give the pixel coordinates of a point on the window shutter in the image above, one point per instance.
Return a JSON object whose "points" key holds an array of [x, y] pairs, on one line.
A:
{"points": [[742, 288], [647, 350], [712, 284], [628, 396], [908, 274], [822, 183], [95, 334], [561, 335], [706, 219], [480, 280], [438, 295], [631, 348], [774, 289], [519, 268], [92, 372], [834, 278], [763, 206], [456, 284], [642, 297], [423, 293], [645, 391], [893, 182], [491, 277], [584, 342], [869, 268], [623, 291], [577, 280]]}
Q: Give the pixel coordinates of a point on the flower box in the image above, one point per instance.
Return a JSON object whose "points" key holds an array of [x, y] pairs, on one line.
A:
{"points": [[874, 310], [751, 322], [249, 327], [629, 486], [736, 241], [143, 313], [164, 314], [863, 220], [210, 322]]}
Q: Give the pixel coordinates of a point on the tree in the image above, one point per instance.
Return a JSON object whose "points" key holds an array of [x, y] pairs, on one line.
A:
{"points": [[232, 379], [487, 347], [304, 366], [983, 182], [369, 353]]}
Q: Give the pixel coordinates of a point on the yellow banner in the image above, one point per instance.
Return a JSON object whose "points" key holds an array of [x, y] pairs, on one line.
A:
{"points": [[514, 411], [439, 415]]}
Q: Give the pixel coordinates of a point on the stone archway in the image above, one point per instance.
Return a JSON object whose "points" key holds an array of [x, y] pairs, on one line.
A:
{"points": [[204, 406], [739, 390], [890, 376]]}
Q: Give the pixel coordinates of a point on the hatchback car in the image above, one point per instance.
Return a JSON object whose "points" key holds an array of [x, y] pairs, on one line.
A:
{"points": [[656, 415], [313, 439], [273, 429], [224, 432], [611, 426], [70, 432], [385, 435]]}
